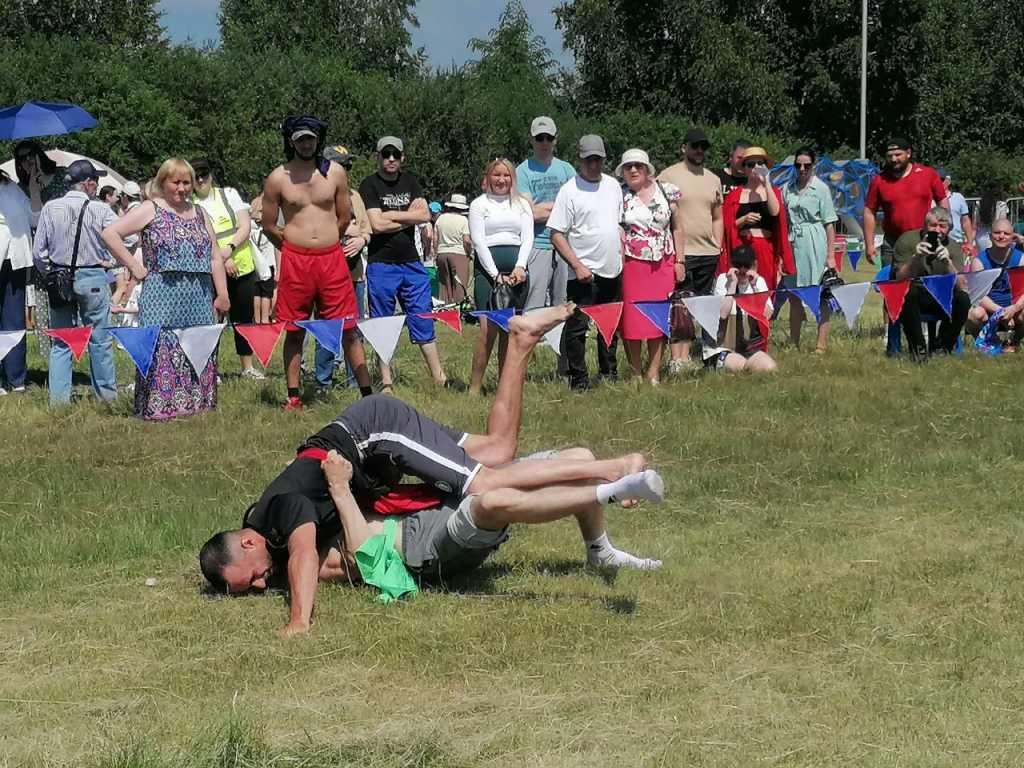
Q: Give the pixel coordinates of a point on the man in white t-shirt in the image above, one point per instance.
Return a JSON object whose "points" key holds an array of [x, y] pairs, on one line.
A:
{"points": [[584, 226]]}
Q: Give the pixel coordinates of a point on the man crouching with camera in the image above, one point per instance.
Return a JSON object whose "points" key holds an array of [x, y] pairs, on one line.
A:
{"points": [[922, 254]]}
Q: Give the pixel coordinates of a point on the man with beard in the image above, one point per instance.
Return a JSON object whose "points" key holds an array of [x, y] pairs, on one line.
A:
{"points": [[313, 194], [700, 205]]}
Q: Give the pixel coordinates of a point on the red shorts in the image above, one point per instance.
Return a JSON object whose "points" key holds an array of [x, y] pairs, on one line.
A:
{"points": [[315, 277]]}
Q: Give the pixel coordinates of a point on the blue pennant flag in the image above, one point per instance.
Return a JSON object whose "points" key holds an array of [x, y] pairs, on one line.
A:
{"points": [[497, 316], [854, 257], [327, 332], [941, 289], [657, 312], [140, 344], [811, 296]]}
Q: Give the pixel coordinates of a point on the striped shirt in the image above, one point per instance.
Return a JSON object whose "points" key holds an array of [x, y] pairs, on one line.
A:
{"points": [[55, 233]]}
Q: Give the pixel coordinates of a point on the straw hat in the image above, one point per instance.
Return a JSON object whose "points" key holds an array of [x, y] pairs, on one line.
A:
{"points": [[758, 153]]}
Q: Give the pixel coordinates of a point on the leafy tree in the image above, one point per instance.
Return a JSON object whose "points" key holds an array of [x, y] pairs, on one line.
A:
{"points": [[126, 22]]}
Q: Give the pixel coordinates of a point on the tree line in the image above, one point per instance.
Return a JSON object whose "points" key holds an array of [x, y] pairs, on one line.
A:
{"points": [[777, 72]]}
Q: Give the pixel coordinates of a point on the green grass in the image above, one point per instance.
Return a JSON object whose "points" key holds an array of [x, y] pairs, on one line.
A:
{"points": [[841, 550]]}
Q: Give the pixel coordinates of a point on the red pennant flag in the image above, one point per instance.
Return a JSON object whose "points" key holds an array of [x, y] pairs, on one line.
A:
{"points": [[1016, 276], [754, 304], [893, 293], [607, 317], [450, 317], [262, 337], [76, 338]]}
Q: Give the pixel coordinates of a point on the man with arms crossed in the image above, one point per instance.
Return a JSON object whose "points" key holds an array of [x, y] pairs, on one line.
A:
{"points": [[313, 193]]}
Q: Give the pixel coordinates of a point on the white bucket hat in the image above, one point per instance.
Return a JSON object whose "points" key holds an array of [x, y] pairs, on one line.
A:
{"points": [[635, 156], [458, 202]]}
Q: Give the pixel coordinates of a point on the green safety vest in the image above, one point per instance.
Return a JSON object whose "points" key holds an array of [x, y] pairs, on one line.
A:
{"points": [[225, 224]]}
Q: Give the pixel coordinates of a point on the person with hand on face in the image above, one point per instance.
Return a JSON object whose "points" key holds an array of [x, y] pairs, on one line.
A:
{"points": [[743, 340], [183, 284], [501, 229], [755, 216], [584, 226], [396, 206], [654, 243], [1003, 254], [313, 194], [231, 223]]}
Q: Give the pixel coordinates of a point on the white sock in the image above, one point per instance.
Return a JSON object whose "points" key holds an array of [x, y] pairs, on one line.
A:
{"points": [[601, 554], [646, 485]]}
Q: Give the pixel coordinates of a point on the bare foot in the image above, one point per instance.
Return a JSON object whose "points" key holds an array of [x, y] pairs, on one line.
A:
{"points": [[538, 322], [629, 464]]}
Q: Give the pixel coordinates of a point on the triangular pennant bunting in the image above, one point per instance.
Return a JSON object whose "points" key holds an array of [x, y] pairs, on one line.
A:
{"points": [[851, 298], [707, 311], [262, 337], [9, 340], [450, 317], [893, 293], [553, 338], [657, 312], [139, 343], [980, 283], [327, 332], [382, 333], [1016, 276], [198, 344], [754, 304], [499, 317], [76, 338], [854, 257], [606, 317], [810, 295], [941, 289]]}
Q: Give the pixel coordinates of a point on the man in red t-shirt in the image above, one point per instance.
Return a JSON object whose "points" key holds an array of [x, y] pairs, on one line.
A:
{"points": [[905, 191]]}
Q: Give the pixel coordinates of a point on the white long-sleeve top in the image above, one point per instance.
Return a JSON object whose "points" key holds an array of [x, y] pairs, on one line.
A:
{"points": [[497, 220], [15, 226]]}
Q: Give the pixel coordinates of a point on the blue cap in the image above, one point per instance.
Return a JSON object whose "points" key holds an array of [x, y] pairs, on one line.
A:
{"points": [[435, 207]]}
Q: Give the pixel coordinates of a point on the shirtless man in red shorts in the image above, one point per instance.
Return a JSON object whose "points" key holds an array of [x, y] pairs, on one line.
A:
{"points": [[313, 194]]}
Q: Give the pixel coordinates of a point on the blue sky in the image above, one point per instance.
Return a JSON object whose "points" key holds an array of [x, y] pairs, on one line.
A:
{"points": [[445, 25]]}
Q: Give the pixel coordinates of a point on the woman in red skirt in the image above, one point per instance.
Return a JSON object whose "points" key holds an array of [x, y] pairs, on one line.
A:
{"points": [[754, 215], [652, 230]]}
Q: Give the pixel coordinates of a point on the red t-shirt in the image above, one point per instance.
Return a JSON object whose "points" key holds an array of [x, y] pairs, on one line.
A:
{"points": [[905, 200]]}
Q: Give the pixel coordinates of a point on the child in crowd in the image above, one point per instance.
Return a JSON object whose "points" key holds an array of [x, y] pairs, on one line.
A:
{"points": [[742, 339]]}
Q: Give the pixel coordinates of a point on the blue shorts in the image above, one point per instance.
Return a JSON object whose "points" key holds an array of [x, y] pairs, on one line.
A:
{"points": [[410, 284]]}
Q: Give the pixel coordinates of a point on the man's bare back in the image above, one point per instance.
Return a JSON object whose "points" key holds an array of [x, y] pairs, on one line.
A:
{"points": [[316, 209]]}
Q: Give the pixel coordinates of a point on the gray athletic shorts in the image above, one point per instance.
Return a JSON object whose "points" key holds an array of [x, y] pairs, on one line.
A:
{"points": [[444, 542], [385, 428]]}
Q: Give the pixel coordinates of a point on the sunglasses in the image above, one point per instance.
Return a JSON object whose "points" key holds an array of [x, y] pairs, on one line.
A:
{"points": [[202, 175], [633, 166], [702, 146], [545, 137], [803, 166], [391, 154], [753, 163]]}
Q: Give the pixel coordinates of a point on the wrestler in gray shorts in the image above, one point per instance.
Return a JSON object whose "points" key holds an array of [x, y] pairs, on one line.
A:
{"points": [[385, 428], [444, 542]]}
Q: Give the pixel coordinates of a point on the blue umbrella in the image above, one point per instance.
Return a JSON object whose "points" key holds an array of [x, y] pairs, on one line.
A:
{"points": [[36, 118]]}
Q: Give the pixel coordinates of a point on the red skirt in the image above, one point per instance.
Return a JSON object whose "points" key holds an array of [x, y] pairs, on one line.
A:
{"points": [[644, 281]]}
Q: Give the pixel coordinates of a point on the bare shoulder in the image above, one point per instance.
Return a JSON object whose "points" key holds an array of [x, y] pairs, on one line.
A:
{"points": [[337, 176]]}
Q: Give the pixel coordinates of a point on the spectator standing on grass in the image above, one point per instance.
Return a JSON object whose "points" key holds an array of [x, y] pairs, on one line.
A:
{"points": [[655, 245], [540, 177], [991, 208], [68, 238], [123, 302], [501, 228], [396, 206], [734, 174], [700, 210], [15, 264], [230, 217], [963, 228], [584, 225], [267, 259], [183, 284], [454, 246], [812, 229]]}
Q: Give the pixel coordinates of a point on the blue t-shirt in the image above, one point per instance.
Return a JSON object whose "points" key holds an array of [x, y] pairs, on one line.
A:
{"points": [[957, 210], [542, 185]]}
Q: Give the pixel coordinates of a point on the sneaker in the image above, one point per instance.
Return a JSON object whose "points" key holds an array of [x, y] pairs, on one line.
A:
{"points": [[19, 389], [2, 391], [294, 404], [255, 375]]}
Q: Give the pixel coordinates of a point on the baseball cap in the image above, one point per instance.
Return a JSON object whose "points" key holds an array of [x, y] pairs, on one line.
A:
{"points": [[390, 141], [696, 136], [200, 165], [298, 133], [132, 189], [897, 142], [80, 170], [591, 145], [338, 153], [543, 124]]}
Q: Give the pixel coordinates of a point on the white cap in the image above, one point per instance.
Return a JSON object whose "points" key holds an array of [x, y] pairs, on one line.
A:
{"points": [[303, 132], [543, 124], [131, 189]]}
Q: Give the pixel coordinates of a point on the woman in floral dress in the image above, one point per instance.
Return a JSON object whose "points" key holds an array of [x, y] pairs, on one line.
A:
{"points": [[652, 230]]}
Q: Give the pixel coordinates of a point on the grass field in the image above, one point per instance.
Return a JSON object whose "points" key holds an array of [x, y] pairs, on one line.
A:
{"points": [[841, 550]]}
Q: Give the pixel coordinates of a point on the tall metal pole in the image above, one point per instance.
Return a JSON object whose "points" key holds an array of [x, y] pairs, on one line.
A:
{"points": [[863, 78]]}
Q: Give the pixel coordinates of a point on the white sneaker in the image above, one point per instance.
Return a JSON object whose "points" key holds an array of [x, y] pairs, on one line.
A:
{"points": [[252, 373], [18, 389], [2, 391]]}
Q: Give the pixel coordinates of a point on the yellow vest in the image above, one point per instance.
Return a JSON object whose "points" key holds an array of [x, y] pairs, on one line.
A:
{"points": [[225, 224]]}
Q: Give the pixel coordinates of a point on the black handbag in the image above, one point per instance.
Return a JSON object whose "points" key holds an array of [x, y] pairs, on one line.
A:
{"points": [[504, 295], [60, 281]]}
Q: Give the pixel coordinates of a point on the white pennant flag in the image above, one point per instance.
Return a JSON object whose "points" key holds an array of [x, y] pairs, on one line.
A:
{"points": [[980, 283], [553, 338], [851, 299], [707, 311], [383, 333], [198, 343], [9, 340]]}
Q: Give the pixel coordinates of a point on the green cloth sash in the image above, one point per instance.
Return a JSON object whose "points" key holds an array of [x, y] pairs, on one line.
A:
{"points": [[381, 566]]}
